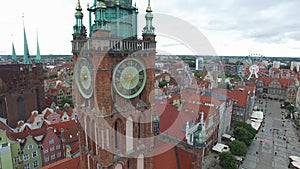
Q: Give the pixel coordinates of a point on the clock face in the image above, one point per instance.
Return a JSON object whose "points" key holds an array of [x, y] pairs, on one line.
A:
{"points": [[129, 78], [84, 77]]}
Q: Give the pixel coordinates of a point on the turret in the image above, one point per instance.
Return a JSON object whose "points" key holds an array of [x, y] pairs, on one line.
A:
{"points": [[38, 58], [79, 28], [79, 33], [148, 31], [13, 55], [26, 59], [100, 18]]}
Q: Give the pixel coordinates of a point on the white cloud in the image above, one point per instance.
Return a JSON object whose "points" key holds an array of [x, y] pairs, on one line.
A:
{"points": [[270, 26]]}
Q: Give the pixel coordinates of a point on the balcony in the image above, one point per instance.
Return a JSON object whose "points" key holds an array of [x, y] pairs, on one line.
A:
{"points": [[112, 45]]}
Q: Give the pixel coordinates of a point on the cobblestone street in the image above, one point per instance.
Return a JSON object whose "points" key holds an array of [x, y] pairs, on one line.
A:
{"points": [[275, 141]]}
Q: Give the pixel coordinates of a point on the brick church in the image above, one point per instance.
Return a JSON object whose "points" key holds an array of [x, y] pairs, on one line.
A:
{"points": [[21, 87], [113, 88]]}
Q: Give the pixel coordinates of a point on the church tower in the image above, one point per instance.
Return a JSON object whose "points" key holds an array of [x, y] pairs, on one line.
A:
{"points": [[114, 86]]}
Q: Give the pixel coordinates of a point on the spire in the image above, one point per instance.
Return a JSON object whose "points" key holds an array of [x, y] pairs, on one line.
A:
{"points": [[38, 58], [78, 28], [149, 9], [149, 29], [78, 7], [199, 135], [26, 59], [14, 56]]}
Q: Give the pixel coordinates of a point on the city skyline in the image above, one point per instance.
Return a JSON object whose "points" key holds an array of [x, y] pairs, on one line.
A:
{"points": [[233, 28]]}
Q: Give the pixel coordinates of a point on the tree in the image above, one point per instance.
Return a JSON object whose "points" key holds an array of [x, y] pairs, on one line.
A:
{"points": [[198, 74], [228, 161], [246, 126], [238, 148], [295, 69], [286, 104], [242, 134], [290, 108], [162, 84], [66, 100]]}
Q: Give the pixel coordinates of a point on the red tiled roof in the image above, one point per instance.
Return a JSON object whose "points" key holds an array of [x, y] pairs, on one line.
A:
{"points": [[166, 158], [239, 96], [283, 81], [69, 110], [286, 82], [74, 147], [48, 102], [3, 126], [47, 113], [63, 125], [172, 122], [52, 92], [66, 163], [32, 117], [26, 132], [61, 113]]}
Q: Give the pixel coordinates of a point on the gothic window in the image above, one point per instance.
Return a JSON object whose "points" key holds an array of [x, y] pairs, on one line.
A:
{"points": [[129, 134], [116, 135], [2, 109], [37, 97], [118, 166], [21, 109], [139, 128]]}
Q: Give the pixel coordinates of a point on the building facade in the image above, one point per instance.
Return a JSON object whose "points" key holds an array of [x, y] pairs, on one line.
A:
{"points": [[111, 70], [21, 91], [9, 152]]}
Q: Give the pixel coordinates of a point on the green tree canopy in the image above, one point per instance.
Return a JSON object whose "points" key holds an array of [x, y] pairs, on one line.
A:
{"points": [[246, 126], [238, 148], [69, 101], [286, 104], [228, 161], [242, 134], [290, 108], [162, 84], [199, 74]]}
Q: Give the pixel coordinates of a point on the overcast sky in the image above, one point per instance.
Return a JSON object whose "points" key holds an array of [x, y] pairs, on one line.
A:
{"points": [[233, 27]]}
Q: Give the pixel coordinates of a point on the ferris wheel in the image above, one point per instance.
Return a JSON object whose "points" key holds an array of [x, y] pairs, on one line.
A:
{"points": [[253, 66]]}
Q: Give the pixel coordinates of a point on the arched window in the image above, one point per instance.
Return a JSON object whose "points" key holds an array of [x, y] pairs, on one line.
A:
{"points": [[129, 134], [116, 136], [139, 127], [2, 109], [118, 166], [21, 108], [37, 97]]}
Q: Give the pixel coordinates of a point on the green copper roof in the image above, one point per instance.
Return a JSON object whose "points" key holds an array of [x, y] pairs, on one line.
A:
{"points": [[149, 29], [14, 56], [38, 58], [79, 28], [26, 59]]}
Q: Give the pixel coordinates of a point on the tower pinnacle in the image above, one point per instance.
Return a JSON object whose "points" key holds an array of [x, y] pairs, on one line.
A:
{"points": [[78, 7], [14, 56], [26, 59], [38, 58], [149, 29], [149, 9], [78, 28]]}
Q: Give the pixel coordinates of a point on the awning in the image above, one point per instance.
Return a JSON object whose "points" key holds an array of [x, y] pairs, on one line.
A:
{"points": [[296, 164], [226, 136], [294, 158], [257, 115], [220, 148]]}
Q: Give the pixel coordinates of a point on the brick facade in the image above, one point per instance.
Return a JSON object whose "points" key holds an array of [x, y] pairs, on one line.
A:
{"points": [[21, 91]]}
